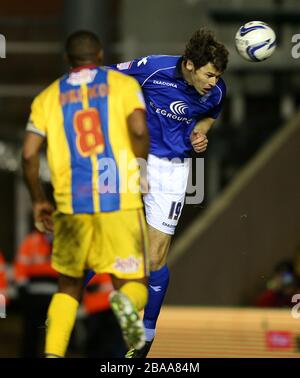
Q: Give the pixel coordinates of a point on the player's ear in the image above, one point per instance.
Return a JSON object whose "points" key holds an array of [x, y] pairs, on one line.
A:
{"points": [[189, 65]]}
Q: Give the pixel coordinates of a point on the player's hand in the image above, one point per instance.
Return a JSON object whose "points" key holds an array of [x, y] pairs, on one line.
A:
{"points": [[199, 141], [42, 213]]}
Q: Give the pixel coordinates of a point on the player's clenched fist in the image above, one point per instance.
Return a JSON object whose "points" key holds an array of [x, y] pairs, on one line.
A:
{"points": [[42, 212], [199, 141]]}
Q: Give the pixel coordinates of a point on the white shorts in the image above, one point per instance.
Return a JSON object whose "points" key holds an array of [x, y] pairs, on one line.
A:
{"points": [[167, 185]]}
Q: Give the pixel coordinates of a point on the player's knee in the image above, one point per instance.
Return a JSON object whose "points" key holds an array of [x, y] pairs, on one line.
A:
{"points": [[71, 286]]}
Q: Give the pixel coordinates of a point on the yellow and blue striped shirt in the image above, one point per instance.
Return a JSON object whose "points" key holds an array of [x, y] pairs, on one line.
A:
{"points": [[83, 115]]}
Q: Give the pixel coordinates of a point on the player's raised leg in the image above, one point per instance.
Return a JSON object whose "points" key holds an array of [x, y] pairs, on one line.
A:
{"points": [[163, 205], [157, 287]]}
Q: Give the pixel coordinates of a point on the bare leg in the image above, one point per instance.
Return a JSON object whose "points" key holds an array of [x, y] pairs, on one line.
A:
{"points": [[71, 286], [159, 247]]}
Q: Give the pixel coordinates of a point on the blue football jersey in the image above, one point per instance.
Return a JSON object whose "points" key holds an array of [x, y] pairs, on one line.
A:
{"points": [[173, 106]]}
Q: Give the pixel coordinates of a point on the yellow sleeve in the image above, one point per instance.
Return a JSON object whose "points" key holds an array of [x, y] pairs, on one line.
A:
{"points": [[132, 96], [37, 119]]}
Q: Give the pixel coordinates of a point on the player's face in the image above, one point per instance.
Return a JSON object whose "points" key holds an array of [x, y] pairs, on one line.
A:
{"points": [[204, 78]]}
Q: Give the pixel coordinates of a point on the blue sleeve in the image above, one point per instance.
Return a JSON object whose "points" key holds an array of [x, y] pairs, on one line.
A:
{"points": [[216, 110], [140, 68]]}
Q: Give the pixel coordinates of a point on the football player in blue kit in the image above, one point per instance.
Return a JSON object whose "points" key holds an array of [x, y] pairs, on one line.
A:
{"points": [[184, 95]]}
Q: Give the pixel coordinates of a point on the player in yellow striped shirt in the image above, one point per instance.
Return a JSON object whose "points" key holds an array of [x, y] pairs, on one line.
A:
{"points": [[93, 123]]}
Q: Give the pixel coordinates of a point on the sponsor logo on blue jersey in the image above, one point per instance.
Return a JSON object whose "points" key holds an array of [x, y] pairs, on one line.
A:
{"points": [[165, 83], [176, 112]]}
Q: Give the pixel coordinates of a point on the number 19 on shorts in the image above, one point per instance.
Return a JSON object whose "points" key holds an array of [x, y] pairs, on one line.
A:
{"points": [[175, 210]]}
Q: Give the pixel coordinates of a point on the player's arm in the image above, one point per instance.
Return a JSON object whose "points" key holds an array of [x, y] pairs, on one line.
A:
{"points": [[42, 209], [138, 132], [135, 111], [139, 136], [31, 163], [198, 136]]}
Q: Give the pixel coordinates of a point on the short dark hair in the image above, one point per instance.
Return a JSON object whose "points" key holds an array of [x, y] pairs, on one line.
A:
{"points": [[82, 46], [203, 48]]}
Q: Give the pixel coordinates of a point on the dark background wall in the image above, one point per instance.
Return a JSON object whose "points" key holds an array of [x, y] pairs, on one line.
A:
{"points": [[234, 255]]}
